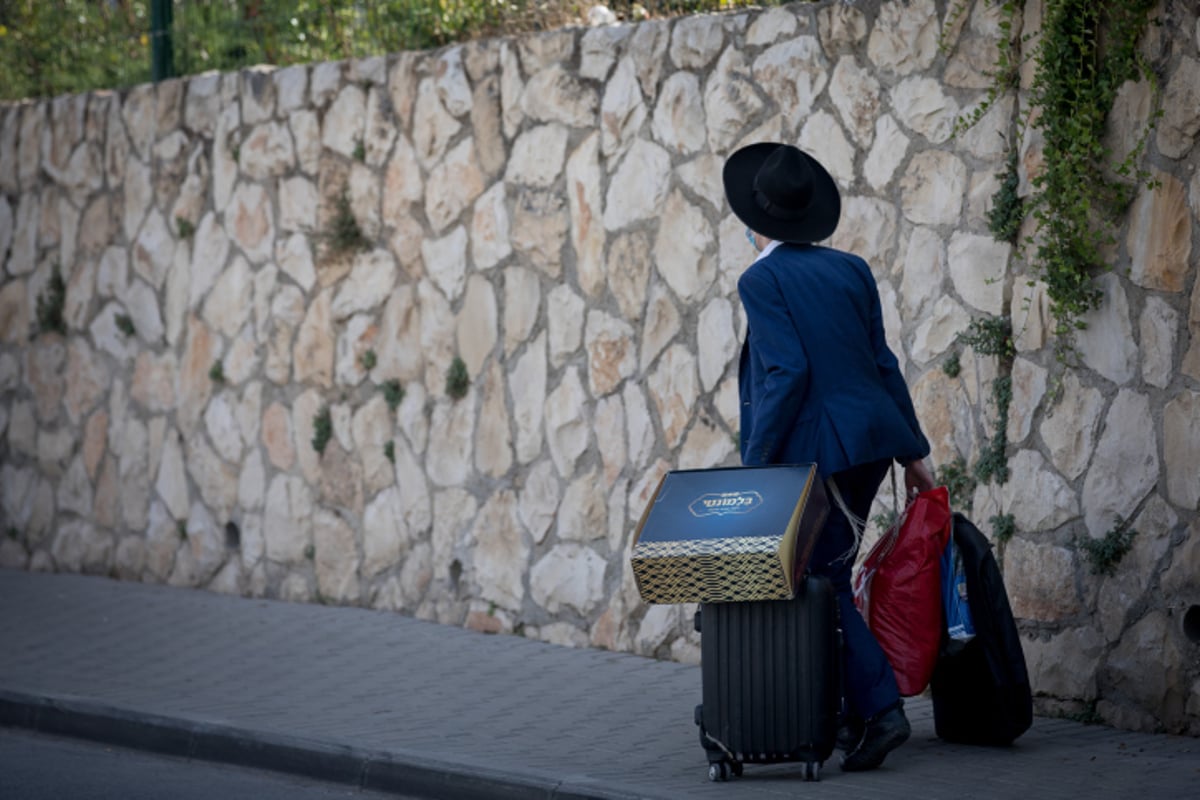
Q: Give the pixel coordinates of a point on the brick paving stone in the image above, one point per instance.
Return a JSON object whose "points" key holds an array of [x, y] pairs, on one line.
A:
{"points": [[381, 699]]}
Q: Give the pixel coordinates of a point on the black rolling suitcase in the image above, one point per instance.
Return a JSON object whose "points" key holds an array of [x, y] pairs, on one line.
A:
{"points": [[981, 692], [771, 679]]}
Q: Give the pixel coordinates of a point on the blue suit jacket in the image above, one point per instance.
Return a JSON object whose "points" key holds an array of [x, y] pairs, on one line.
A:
{"points": [[817, 380]]}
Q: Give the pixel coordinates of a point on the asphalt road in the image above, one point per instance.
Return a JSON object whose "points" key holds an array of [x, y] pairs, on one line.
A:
{"points": [[35, 766]]}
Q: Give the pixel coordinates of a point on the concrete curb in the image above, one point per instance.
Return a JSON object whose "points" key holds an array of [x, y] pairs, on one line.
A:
{"points": [[391, 771]]}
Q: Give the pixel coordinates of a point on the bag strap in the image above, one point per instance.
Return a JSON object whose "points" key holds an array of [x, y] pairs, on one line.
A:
{"points": [[895, 493], [892, 535], [857, 525]]}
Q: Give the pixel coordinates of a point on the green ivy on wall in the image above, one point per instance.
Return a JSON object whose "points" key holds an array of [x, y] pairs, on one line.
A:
{"points": [[1008, 209], [988, 336], [992, 336], [1005, 73], [1084, 52]]}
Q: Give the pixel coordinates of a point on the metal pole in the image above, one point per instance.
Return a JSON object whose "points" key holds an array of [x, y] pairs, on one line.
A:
{"points": [[161, 57]]}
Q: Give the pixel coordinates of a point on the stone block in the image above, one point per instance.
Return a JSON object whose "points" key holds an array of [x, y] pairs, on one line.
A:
{"points": [[570, 576], [1125, 466], [1181, 110], [1040, 579], [622, 110], [1065, 665], [1160, 235], [500, 552], [683, 248], [1181, 449]]}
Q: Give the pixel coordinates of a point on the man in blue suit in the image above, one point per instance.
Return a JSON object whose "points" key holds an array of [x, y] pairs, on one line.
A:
{"points": [[818, 384]]}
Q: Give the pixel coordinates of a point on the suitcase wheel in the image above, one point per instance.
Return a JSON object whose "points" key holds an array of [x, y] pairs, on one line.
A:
{"points": [[723, 770]]}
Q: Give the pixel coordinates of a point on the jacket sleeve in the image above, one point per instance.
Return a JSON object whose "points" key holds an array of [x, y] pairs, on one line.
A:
{"points": [[889, 370], [776, 346]]}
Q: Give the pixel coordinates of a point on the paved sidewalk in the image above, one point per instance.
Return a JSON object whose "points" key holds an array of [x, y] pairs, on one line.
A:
{"points": [[387, 702]]}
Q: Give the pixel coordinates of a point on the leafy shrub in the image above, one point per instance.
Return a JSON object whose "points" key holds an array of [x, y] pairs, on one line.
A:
{"points": [[958, 482], [322, 429], [952, 366], [50, 305], [990, 336], [344, 235], [1105, 553], [393, 393], [124, 324], [1003, 527], [457, 380]]}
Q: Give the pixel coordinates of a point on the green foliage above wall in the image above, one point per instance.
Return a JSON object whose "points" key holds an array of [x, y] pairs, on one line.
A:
{"points": [[71, 46]]}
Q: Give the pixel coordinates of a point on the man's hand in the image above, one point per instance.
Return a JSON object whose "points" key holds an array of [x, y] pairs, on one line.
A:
{"points": [[917, 478]]}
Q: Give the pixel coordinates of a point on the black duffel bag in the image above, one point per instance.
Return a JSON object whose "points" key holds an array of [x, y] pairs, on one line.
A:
{"points": [[981, 692]]}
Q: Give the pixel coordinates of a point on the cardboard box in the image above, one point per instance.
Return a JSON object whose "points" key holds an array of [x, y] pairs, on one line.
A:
{"points": [[721, 535]]}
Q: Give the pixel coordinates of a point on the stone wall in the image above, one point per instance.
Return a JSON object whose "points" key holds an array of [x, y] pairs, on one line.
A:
{"points": [[549, 210]]}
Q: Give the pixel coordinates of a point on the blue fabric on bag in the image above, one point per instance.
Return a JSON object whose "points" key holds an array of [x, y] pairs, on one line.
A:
{"points": [[959, 625]]}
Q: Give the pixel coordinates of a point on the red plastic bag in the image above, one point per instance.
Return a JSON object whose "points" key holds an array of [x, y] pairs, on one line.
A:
{"points": [[898, 589]]}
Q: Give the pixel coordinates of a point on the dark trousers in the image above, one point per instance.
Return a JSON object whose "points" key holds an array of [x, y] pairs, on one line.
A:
{"points": [[870, 684]]}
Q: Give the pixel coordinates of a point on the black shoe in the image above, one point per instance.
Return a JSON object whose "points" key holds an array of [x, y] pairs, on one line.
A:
{"points": [[882, 735], [850, 732]]}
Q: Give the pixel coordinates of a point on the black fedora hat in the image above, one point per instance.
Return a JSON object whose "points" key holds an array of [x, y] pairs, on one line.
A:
{"points": [[782, 193]]}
